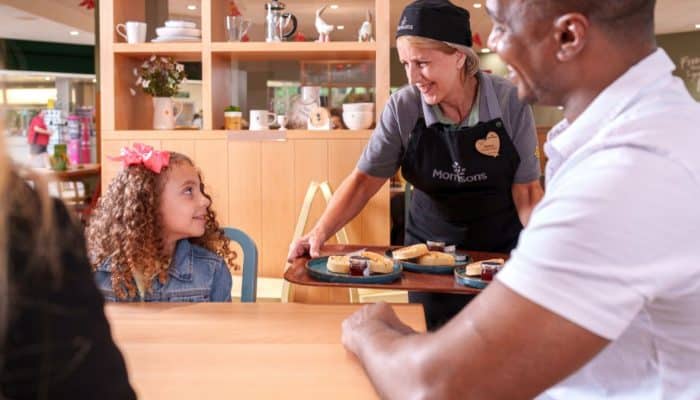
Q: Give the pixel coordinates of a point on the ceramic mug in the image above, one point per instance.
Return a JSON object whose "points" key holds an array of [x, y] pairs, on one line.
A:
{"points": [[132, 31], [260, 120]]}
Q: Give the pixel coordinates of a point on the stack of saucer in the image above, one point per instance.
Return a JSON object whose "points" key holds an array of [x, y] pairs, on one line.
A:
{"points": [[178, 31]]}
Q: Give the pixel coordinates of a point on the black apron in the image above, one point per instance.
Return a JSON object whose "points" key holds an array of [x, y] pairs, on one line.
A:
{"points": [[461, 196]]}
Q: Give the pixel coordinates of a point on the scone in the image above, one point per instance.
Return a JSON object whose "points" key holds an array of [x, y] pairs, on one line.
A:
{"points": [[378, 264], [338, 264], [474, 269], [436, 258], [409, 252]]}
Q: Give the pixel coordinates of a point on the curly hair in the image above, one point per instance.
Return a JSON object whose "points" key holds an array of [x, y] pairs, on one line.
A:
{"points": [[126, 228]]}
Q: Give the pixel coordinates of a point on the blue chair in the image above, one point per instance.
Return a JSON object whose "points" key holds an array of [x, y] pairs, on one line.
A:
{"points": [[250, 263]]}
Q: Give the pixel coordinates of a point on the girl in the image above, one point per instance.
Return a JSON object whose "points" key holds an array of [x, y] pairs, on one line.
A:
{"points": [[154, 236]]}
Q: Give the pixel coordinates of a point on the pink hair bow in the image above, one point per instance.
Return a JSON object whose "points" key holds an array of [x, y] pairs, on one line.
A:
{"points": [[143, 154]]}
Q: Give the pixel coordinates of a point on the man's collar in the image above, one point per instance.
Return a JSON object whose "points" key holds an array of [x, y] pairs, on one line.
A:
{"points": [[566, 138]]}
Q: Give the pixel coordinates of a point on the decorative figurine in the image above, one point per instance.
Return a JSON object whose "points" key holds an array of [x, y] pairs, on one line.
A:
{"points": [[324, 29], [365, 32]]}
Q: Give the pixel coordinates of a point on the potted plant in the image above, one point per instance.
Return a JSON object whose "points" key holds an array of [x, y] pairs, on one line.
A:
{"points": [[161, 77], [232, 118]]}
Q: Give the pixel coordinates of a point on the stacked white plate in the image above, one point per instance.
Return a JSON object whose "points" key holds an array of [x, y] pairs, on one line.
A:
{"points": [[178, 31]]}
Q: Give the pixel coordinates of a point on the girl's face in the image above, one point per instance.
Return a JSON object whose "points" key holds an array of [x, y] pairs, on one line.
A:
{"points": [[183, 207], [433, 72]]}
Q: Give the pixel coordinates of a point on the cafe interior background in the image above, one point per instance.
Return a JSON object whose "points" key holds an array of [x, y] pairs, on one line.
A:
{"points": [[52, 50]]}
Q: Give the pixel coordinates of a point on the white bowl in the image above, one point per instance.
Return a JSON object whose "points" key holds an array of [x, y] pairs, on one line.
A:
{"points": [[358, 107], [166, 31], [180, 24], [358, 119]]}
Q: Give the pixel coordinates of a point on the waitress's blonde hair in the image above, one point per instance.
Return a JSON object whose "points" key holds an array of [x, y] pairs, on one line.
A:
{"points": [[471, 62]]}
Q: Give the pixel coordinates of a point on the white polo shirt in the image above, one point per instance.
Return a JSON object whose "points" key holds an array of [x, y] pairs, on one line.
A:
{"points": [[614, 245]]}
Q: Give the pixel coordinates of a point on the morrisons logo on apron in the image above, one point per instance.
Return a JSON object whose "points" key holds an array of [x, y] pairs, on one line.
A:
{"points": [[457, 175]]}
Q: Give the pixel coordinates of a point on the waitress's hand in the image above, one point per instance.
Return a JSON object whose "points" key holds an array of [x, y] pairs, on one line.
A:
{"points": [[309, 244]]}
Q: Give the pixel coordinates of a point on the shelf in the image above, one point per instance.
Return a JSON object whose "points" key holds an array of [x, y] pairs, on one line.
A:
{"points": [[291, 134], [258, 51], [179, 51]]}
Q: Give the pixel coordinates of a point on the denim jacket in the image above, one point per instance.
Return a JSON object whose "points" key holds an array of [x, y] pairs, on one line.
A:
{"points": [[195, 275]]}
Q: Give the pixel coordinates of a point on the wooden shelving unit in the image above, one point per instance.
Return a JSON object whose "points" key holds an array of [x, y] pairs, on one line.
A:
{"points": [[256, 185]]}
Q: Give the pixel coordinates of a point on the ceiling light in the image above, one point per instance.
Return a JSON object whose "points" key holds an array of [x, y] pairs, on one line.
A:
{"points": [[334, 6], [74, 33], [94, 80], [485, 50], [191, 7], [47, 78], [477, 5], [697, 26], [341, 27]]}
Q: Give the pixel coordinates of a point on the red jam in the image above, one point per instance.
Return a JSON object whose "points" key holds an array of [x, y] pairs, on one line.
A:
{"points": [[358, 264], [435, 246], [489, 269]]}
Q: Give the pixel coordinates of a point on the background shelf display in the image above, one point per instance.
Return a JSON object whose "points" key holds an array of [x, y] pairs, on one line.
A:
{"points": [[257, 185]]}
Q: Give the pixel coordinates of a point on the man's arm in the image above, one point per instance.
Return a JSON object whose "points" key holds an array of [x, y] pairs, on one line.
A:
{"points": [[526, 196], [43, 131], [502, 346]]}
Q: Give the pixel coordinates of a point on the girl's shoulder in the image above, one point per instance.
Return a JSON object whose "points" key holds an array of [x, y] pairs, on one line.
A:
{"points": [[201, 254], [191, 258]]}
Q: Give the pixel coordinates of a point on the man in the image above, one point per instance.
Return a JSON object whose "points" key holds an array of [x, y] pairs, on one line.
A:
{"points": [[38, 135], [600, 298]]}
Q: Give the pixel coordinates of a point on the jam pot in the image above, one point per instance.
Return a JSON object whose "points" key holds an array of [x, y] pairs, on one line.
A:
{"points": [[359, 266], [489, 269]]}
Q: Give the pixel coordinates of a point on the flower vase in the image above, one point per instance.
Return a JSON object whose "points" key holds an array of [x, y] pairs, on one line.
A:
{"points": [[165, 112]]}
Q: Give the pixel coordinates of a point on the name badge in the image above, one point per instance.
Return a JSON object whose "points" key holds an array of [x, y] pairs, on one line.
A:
{"points": [[489, 146]]}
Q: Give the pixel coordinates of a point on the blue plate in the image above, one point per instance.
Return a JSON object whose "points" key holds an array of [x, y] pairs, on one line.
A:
{"points": [[463, 279], [316, 267], [430, 269]]}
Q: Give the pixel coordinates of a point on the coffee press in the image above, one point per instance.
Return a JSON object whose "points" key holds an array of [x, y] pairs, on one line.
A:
{"points": [[278, 21]]}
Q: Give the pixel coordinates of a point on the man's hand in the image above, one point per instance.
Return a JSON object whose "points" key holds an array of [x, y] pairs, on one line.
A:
{"points": [[368, 319]]}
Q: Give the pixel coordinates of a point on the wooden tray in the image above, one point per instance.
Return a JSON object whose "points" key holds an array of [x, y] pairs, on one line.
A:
{"points": [[411, 281]]}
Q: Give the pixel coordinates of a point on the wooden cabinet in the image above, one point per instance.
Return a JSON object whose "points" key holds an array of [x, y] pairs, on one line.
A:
{"points": [[257, 185]]}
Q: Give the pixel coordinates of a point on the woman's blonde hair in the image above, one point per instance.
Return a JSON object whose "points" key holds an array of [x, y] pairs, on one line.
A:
{"points": [[126, 228], [471, 63], [33, 208], [4, 273]]}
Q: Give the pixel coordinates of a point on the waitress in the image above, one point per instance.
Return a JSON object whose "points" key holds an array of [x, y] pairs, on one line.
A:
{"points": [[460, 136]]}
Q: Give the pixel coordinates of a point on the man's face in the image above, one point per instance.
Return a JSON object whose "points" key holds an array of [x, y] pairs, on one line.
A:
{"points": [[528, 53]]}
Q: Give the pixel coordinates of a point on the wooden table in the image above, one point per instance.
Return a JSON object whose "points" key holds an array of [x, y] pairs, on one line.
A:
{"points": [[85, 173], [73, 173], [241, 351], [413, 281]]}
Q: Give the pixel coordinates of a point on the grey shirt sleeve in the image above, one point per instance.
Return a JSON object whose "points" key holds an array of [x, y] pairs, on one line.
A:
{"points": [[384, 151], [524, 138]]}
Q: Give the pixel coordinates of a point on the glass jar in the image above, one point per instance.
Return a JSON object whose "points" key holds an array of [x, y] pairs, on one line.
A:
{"points": [[232, 120]]}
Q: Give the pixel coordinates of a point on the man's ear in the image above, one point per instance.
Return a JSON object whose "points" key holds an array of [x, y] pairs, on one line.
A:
{"points": [[571, 32]]}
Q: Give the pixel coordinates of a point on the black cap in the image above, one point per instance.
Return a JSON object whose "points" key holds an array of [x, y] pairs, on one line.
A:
{"points": [[436, 19]]}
